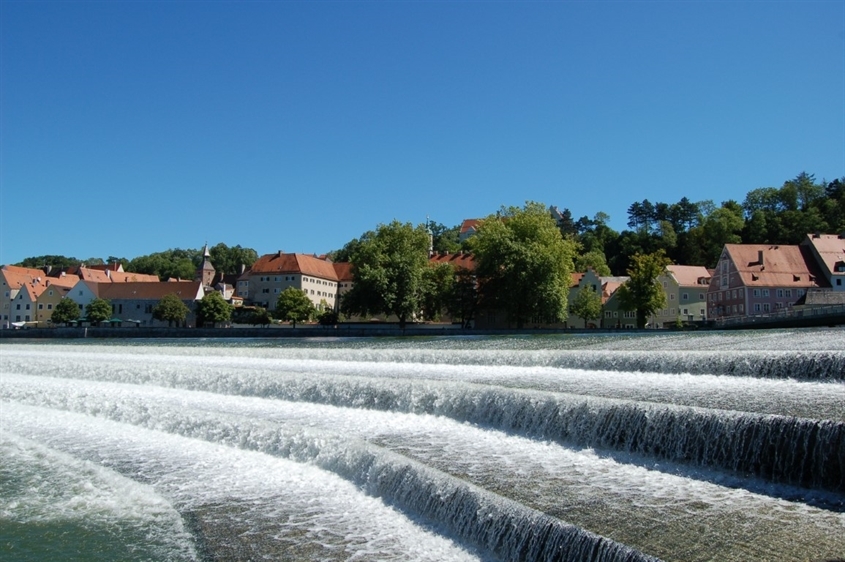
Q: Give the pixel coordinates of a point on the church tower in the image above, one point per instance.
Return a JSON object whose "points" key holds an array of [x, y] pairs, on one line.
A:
{"points": [[206, 271]]}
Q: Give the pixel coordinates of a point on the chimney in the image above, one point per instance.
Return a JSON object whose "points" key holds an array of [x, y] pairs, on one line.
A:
{"points": [[243, 268]]}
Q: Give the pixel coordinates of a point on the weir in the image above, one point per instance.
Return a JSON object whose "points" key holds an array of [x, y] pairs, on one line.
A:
{"points": [[488, 453]]}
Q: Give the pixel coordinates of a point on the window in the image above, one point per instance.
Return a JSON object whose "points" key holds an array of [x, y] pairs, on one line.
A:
{"points": [[27, 306], [756, 292], [49, 307], [756, 307], [780, 293], [17, 306], [672, 297], [684, 296], [701, 311], [839, 282], [733, 294], [742, 308], [741, 292], [788, 292], [40, 306], [765, 292], [766, 307], [608, 314], [276, 290], [685, 312]]}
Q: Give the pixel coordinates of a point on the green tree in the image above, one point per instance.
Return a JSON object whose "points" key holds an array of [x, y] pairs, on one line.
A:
{"points": [[174, 263], [328, 317], [212, 308], [293, 306], [463, 299], [66, 311], [259, 317], [642, 293], [586, 305], [389, 268], [444, 239], [594, 260], [56, 262], [98, 310], [171, 309], [523, 264], [437, 287], [228, 260]]}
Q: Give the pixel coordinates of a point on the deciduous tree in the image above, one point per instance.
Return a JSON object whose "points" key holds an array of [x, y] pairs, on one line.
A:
{"points": [[389, 268], [586, 305], [171, 309], [293, 306], [212, 308], [98, 310], [642, 293], [523, 264], [66, 311]]}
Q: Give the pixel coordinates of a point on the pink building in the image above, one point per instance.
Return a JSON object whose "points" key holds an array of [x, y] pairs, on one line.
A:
{"points": [[754, 279]]}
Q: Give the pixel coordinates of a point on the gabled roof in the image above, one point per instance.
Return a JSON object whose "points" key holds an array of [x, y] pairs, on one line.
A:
{"points": [[609, 286], [32, 290], [576, 279], [294, 263], [690, 275], [16, 276], [781, 265], [463, 260], [343, 270], [129, 290], [830, 248], [469, 225], [64, 281]]}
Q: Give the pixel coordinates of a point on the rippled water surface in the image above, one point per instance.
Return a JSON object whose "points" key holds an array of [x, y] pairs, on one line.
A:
{"points": [[687, 447]]}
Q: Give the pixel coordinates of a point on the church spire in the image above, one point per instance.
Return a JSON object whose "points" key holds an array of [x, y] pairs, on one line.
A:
{"points": [[206, 271]]}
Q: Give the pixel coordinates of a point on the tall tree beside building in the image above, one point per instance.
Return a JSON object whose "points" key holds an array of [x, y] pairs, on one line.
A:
{"points": [[171, 309], [293, 306], [642, 293], [98, 310], [66, 311], [586, 305], [389, 268], [228, 260], [523, 264], [212, 308]]}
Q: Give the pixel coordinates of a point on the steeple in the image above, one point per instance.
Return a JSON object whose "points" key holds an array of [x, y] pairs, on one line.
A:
{"points": [[206, 271]]}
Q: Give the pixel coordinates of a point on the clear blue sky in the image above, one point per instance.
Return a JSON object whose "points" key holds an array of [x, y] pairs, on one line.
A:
{"points": [[133, 127]]}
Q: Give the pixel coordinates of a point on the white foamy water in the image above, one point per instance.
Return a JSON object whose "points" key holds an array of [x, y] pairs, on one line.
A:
{"points": [[679, 464], [277, 501]]}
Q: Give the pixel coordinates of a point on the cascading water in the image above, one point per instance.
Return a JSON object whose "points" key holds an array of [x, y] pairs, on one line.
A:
{"points": [[513, 448]]}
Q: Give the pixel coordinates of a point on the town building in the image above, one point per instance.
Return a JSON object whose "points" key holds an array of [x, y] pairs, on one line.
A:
{"points": [[829, 252], [686, 295], [754, 279], [271, 274]]}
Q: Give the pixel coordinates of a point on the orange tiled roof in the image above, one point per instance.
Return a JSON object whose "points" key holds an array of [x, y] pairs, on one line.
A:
{"points": [[343, 270], [462, 260], [576, 279], [144, 290], [782, 265], [294, 263], [16, 276], [469, 224]]}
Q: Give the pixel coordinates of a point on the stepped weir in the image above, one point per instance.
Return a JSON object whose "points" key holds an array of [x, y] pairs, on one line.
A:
{"points": [[718, 446]]}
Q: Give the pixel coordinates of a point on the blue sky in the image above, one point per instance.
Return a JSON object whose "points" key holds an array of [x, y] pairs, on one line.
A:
{"points": [[132, 127]]}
